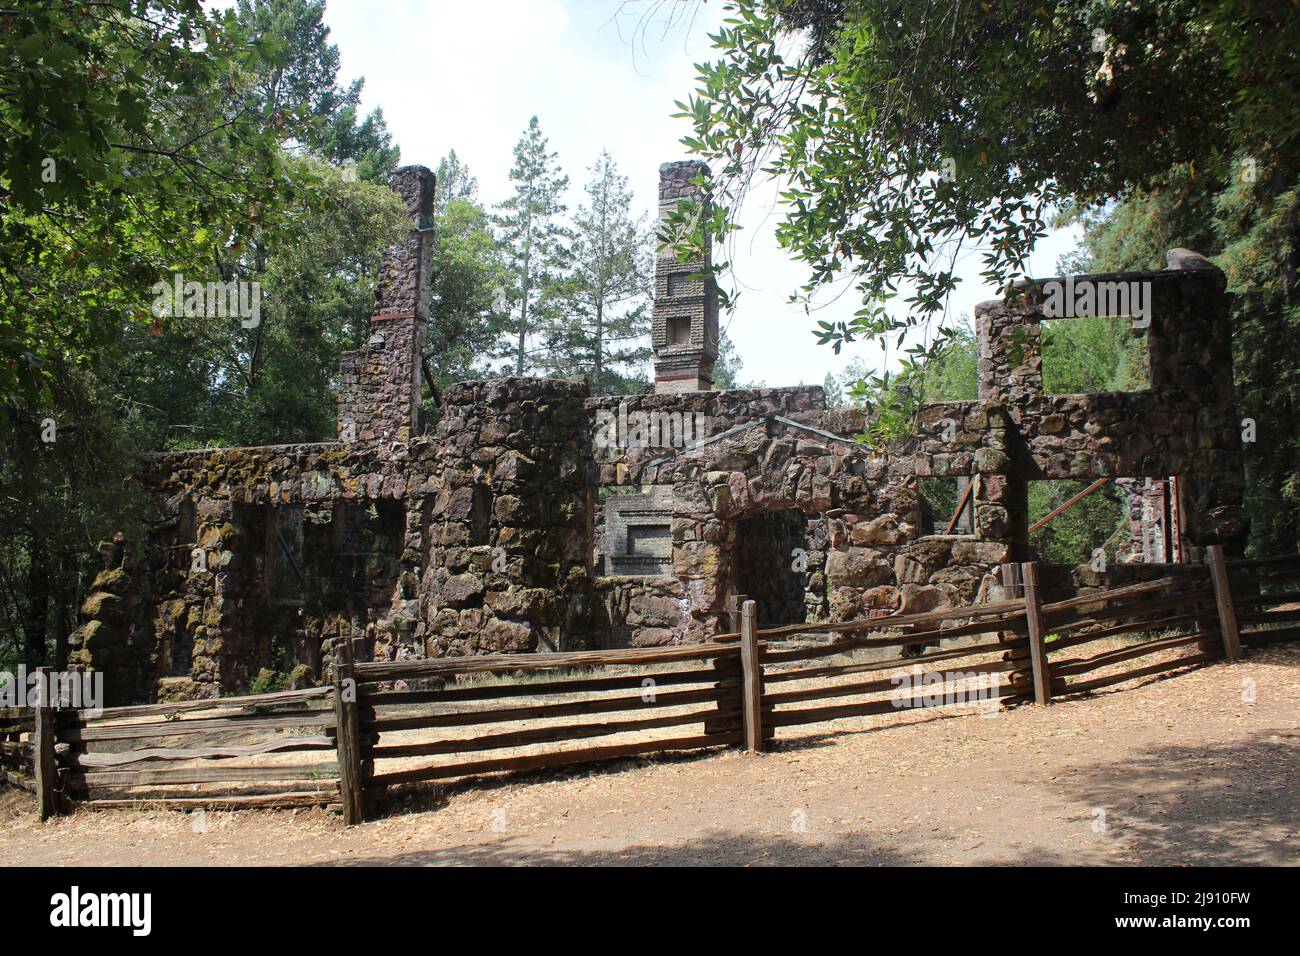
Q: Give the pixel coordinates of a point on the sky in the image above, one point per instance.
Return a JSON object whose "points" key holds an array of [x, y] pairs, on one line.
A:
{"points": [[467, 75]]}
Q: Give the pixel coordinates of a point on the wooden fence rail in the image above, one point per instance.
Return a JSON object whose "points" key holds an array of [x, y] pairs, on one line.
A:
{"points": [[385, 724]]}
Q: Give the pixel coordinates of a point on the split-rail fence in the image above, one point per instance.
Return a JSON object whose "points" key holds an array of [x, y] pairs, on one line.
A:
{"points": [[385, 724]]}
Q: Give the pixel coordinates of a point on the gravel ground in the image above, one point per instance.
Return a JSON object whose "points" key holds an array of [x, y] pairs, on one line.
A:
{"points": [[1200, 768]]}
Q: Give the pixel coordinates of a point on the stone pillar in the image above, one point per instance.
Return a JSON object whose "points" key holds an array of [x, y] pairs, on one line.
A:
{"points": [[379, 384], [684, 331]]}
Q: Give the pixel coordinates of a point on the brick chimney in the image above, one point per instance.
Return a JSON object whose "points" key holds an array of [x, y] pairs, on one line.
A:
{"points": [[379, 384], [684, 328]]}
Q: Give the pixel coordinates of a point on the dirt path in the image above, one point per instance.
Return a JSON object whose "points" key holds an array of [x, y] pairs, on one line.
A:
{"points": [[1185, 770]]}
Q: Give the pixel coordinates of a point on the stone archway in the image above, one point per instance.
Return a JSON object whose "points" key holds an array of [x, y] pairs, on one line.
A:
{"points": [[757, 490]]}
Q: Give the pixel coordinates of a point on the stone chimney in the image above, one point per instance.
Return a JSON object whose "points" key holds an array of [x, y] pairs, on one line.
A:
{"points": [[379, 384], [684, 330]]}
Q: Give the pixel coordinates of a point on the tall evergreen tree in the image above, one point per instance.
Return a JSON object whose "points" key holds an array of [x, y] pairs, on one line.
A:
{"points": [[535, 239], [301, 97], [469, 275], [454, 181], [605, 326]]}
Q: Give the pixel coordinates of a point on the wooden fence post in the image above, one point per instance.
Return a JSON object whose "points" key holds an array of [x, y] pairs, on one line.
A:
{"points": [[751, 677], [733, 610], [1011, 588], [1034, 620], [347, 730], [1223, 598], [44, 737]]}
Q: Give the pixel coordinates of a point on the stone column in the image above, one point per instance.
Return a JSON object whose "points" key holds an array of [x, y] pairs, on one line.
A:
{"points": [[684, 330], [379, 385]]}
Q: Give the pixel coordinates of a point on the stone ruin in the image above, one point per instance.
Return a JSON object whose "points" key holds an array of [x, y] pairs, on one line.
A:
{"points": [[535, 517]]}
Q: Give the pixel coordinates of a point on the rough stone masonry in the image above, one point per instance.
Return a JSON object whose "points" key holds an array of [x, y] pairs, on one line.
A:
{"points": [[519, 522]]}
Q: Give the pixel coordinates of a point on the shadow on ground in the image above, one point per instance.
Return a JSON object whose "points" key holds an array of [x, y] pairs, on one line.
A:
{"points": [[1198, 805], [715, 849], [1201, 805]]}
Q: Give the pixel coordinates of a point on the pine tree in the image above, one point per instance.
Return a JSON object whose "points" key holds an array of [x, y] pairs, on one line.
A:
{"points": [[465, 323], [453, 182], [605, 326], [300, 94], [534, 238]]}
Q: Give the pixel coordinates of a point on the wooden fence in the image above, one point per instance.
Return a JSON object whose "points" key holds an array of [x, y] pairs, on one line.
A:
{"points": [[689, 697], [226, 753], [386, 724], [16, 765]]}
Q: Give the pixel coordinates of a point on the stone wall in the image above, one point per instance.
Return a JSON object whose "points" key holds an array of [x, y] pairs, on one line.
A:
{"points": [[490, 534], [510, 522]]}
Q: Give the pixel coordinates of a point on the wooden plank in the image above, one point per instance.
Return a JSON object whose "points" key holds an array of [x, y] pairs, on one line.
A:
{"points": [[1097, 662], [1069, 503], [348, 738], [278, 698], [961, 505], [751, 678], [769, 656], [817, 715], [557, 759], [478, 692], [543, 735], [269, 801], [490, 663], [1011, 586], [734, 605], [894, 620], [1156, 624], [218, 774], [1099, 682], [1268, 617], [1129, 590], [175, 728], [727, 672], [1134, 609], [284, 745], [1037, 634], [1274, 597], [1223, 599], [807, 673], [43, 740], [328, 787], [571, 708], [1255, 638], [876, 686]]}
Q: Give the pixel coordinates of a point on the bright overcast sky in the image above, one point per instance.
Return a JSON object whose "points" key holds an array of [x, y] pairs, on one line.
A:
{"points": [[468, 74]]}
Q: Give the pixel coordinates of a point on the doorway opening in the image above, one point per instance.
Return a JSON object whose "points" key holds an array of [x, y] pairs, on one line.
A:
{"points": [[775, 557]]}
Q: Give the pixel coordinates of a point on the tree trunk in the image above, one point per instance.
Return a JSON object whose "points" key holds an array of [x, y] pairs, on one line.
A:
{"points": [[38, 601], [600, 339], [64, 612], [527, 282]]}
